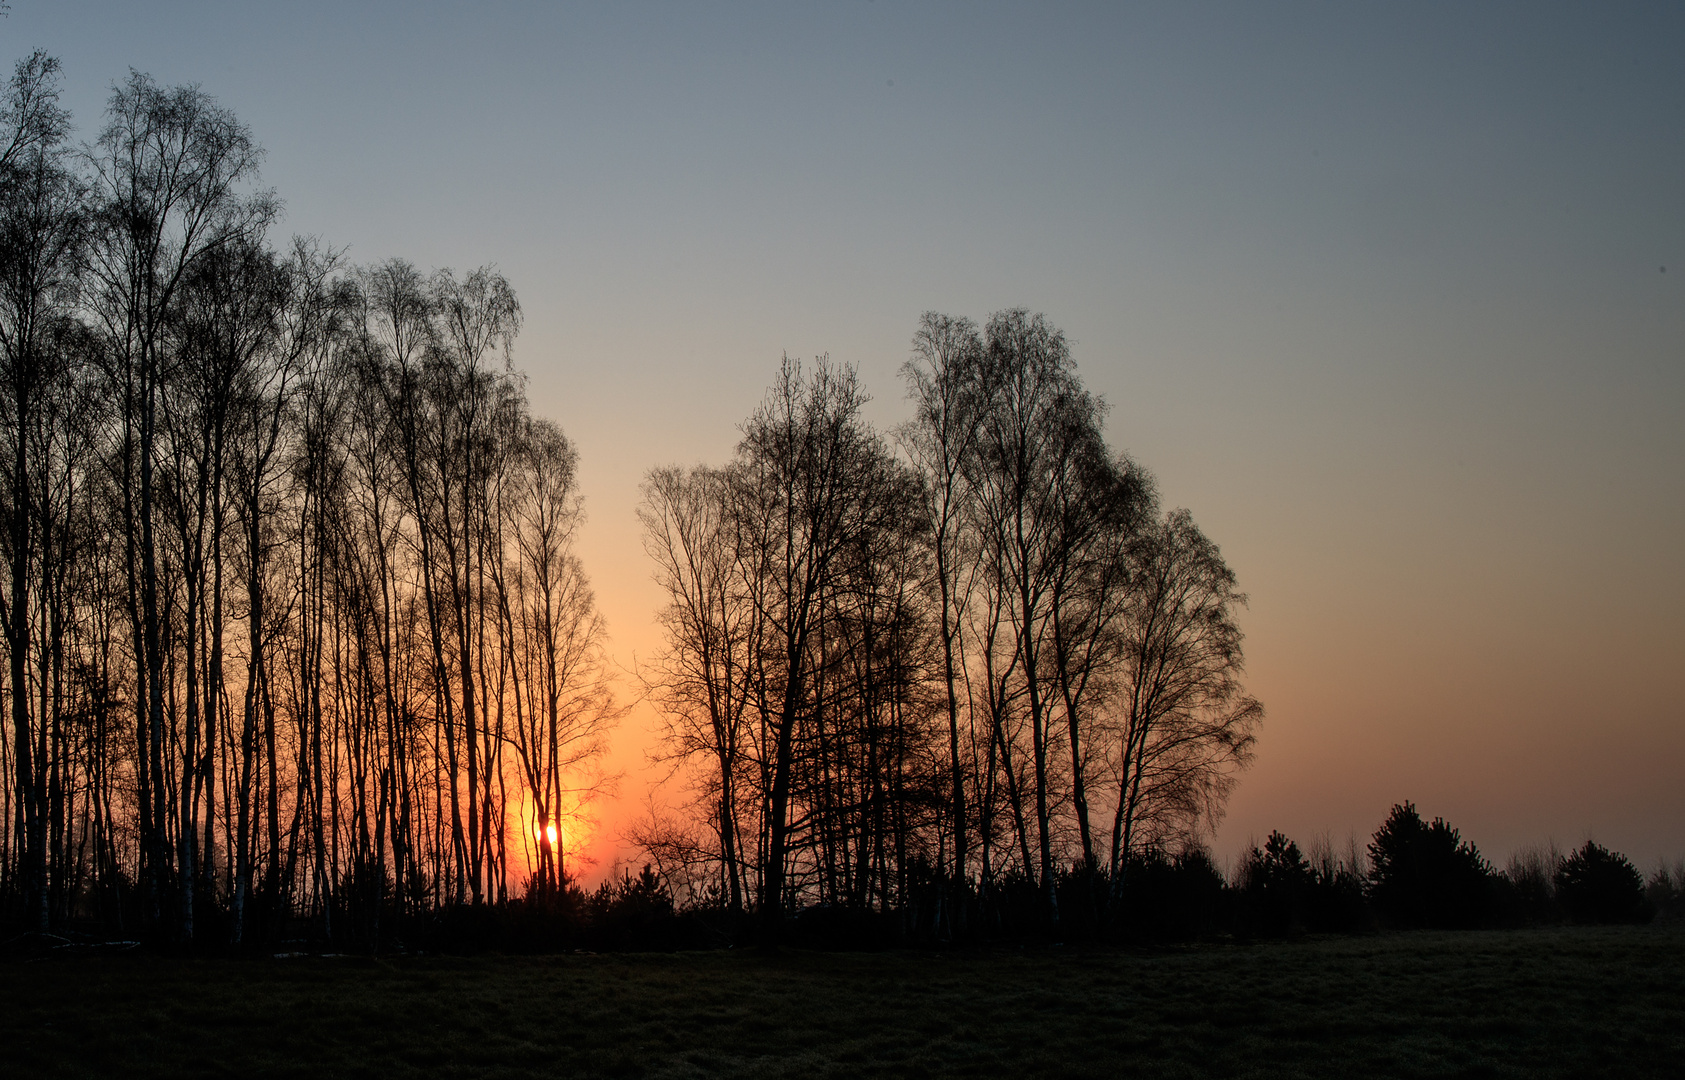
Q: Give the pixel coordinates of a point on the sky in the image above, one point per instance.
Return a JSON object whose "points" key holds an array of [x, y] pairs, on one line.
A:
{"points": [[1391, 297]]}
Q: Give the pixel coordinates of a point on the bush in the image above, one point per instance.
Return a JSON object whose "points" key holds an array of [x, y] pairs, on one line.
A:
{"points": [[637, 913], [1275, 885], [1169, 898], [1336, 900], [1666, 890], [1596, 885], [1527, 890], [1426, 875], [844, 928]]}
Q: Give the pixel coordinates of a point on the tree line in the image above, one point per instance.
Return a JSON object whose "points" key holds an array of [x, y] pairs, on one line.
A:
{"points": [[297, 640], [1412, 874], [934, 673], [298, 643], [1416, 873]]}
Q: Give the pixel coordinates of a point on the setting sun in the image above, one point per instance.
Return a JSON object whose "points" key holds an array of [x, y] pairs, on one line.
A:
{"points": [[1066, 538]]}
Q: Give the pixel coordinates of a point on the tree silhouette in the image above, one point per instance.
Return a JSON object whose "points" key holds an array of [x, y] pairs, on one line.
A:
{"points": [[293, 621], [869, 666], [298, 640], [1596, 885], [1277, 880], [42, 235], [1184, 723], [1425, 874]]}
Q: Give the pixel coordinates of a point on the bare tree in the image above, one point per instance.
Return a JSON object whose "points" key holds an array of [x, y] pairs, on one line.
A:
{"points": [[224, 328], [168, 171], [796, 485], [796, 655], [1099, 506], [703, 679], [952, 389], [1184, 722], [292, 336], [41, 235], [1039, 420], [563, 700], [476, 316]]}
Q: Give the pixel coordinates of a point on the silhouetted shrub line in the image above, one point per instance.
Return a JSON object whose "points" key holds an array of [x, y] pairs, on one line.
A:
{"points": [[1419, 875]]}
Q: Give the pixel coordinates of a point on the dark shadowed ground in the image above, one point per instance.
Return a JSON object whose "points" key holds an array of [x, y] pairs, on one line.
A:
{"points": [[1556, 1002]]}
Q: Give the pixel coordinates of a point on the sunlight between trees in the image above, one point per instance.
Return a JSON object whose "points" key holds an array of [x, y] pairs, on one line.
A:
{"points": [[296, 634], [298, 642]]}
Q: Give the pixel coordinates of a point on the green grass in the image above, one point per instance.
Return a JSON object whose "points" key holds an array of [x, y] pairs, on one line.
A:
{"points": [[1561, 1002]]}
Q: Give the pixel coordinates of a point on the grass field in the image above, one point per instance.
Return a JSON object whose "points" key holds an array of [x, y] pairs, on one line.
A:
{"points": [[1559, 1002]]}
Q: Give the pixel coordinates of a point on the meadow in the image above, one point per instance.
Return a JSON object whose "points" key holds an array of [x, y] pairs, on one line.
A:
{"points": [[1563, 1001]]}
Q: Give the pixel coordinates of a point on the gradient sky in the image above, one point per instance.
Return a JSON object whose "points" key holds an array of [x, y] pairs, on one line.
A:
{"points": [[1377, 291]]}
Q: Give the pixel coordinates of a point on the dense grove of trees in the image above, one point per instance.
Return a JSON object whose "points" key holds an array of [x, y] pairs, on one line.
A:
{"points": [[294, 628], [297, 641], [934, 675]]}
